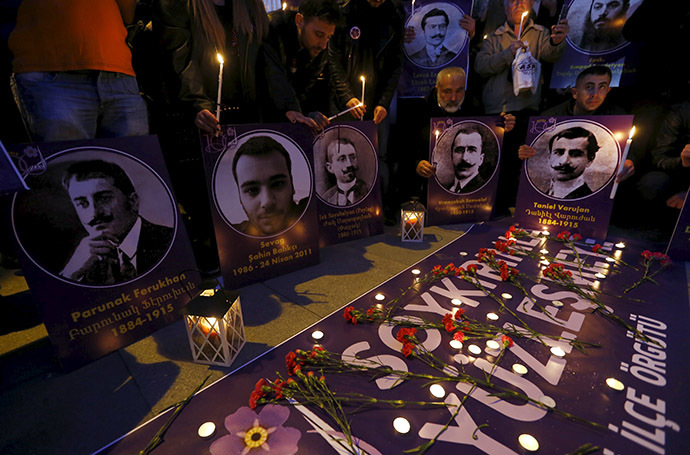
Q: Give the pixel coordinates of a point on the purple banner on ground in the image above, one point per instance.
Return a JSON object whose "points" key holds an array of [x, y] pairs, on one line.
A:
{"points": [[346, 182], [466, 153], [568, 183], [645, 412], [261, 186], [101, 243], [679, 246], [439, 41], [596, 38]]}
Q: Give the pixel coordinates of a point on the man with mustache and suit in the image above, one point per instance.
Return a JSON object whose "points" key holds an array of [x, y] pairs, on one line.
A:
{"points": [[571, 152], [341, 161], [119, 244], [467, 156], [434, 53]]}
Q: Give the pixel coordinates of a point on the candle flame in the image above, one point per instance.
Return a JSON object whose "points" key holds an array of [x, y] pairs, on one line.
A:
{"points": [[524, 14], [284, 6], [632, 132], [220, 58], [361, 78]]}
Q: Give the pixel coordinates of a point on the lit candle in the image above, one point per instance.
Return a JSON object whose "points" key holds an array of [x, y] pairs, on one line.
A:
{"points": [[519, 369], [544, 251], [474, 349], [436, 133], [506, 296], [220, 85], [528, 442], [615, 384], [557, 303], [493, 345], [317, 335], [379, 296], [463, 253], [522, 19], [622, 165], [206, 430], [600, 275], [284, 6], [412, 13], [558, 352], [492, 316], [401, 425], [416, 271], [209, 325], [455, 344], [456, 302], [620, 245], [545, 232], [363, 85], [610, 259], [437, 390]]}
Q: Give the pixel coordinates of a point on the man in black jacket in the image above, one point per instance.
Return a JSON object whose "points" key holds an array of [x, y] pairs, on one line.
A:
{"points": [[299, 40]]}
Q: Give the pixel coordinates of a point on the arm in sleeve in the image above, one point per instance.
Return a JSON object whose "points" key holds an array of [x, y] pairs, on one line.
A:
{"points": [[280, 90], [666, 153], [492, 59], [339, 79]]}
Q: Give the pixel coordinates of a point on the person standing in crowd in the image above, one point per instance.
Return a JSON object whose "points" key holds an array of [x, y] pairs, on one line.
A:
{"points": [[299, 40], [369, 45], [194, 32], [493, 64], [72, 75]]}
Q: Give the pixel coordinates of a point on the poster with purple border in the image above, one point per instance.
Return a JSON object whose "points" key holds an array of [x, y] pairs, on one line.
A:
{"points": [[466, 154], [264, 213], [101, 243], [438, 42], [636, 391], [346, 182], [679, 246], [595, 38], [568, 184]]}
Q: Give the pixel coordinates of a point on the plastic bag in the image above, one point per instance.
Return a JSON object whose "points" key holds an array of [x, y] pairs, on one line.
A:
{"points": [[526, 73]]}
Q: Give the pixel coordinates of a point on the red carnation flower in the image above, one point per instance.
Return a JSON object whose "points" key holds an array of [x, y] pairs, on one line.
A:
{"points": [[507, 341]]}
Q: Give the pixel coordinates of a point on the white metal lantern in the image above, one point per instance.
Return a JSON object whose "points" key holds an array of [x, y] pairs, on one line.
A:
{"points": [[412, 221], [215, 327]]}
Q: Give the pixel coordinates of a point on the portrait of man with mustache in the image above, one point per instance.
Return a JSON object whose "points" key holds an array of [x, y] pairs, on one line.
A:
{"points": [[342, 163], [119, 244], [571, 152], [472, 167], [434, 53]]}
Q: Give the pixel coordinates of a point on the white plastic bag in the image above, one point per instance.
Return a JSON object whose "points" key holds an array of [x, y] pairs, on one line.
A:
{"points": [[526, 72]]}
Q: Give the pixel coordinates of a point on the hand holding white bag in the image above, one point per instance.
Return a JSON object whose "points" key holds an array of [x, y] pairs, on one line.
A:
{"points": [[526, 72]]}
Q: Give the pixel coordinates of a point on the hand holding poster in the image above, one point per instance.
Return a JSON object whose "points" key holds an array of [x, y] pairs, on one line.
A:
{"points": [[260, 182], [345, 172], [435, 37], [567, 184], [101, 244], [465, 154]]}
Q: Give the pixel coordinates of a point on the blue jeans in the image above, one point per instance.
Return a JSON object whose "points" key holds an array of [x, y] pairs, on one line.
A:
{"points": [[72, 105]]}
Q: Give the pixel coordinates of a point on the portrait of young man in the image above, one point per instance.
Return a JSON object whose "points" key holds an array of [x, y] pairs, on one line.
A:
{"points": [[434, 29], [119, 244], [262, 170]]}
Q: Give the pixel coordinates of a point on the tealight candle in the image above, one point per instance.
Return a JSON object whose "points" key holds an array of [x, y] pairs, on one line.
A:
{"points": [[206, 430], [492, 316], [474, 349], [437, 390], [558, 352], [596, 284], [506, 296], [416, 271], [379, 296], [401, 425], [519, 369], [600, 275], [456, 302], [545, 232], [544, 261], [547, 401], [557, 303], [455, 344], [493, 344], [544, 251], [528, 442], [610, 259], [615, 384], [620, 245], [317, 335], [463, 253]]}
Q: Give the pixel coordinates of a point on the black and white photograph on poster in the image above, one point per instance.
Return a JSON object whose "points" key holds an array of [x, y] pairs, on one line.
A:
{"points": [[596, 26], [438, 37], [574, 160], [465, 157], [345, 166], [96, 217], [262, 184]]}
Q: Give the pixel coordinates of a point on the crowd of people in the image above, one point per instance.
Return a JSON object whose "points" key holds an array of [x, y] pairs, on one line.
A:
{"points": [[83, 70]]}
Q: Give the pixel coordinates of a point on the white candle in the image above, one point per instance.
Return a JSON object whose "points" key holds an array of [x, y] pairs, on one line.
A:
{"points": [[317, 335], [456, 302], [615, 384], [519, 369], [558, 352], [492, 345], [455, 344], [528, 442], [492, 316], [436, 133], [437, 390], [364, 82], [620, 245], [220, 85], [522, 19], [416, 271], [379, 296], [622, 165], [412, 13], [474, 349], [401, 425], [506, 296], [206, 430]]}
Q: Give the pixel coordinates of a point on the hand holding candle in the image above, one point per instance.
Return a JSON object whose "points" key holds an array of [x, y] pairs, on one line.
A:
{"points": [[623, 158]]}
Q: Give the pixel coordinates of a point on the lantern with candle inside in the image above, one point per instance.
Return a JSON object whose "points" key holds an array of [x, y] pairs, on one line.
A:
{"points": [[412, 221], [214, 325]]}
